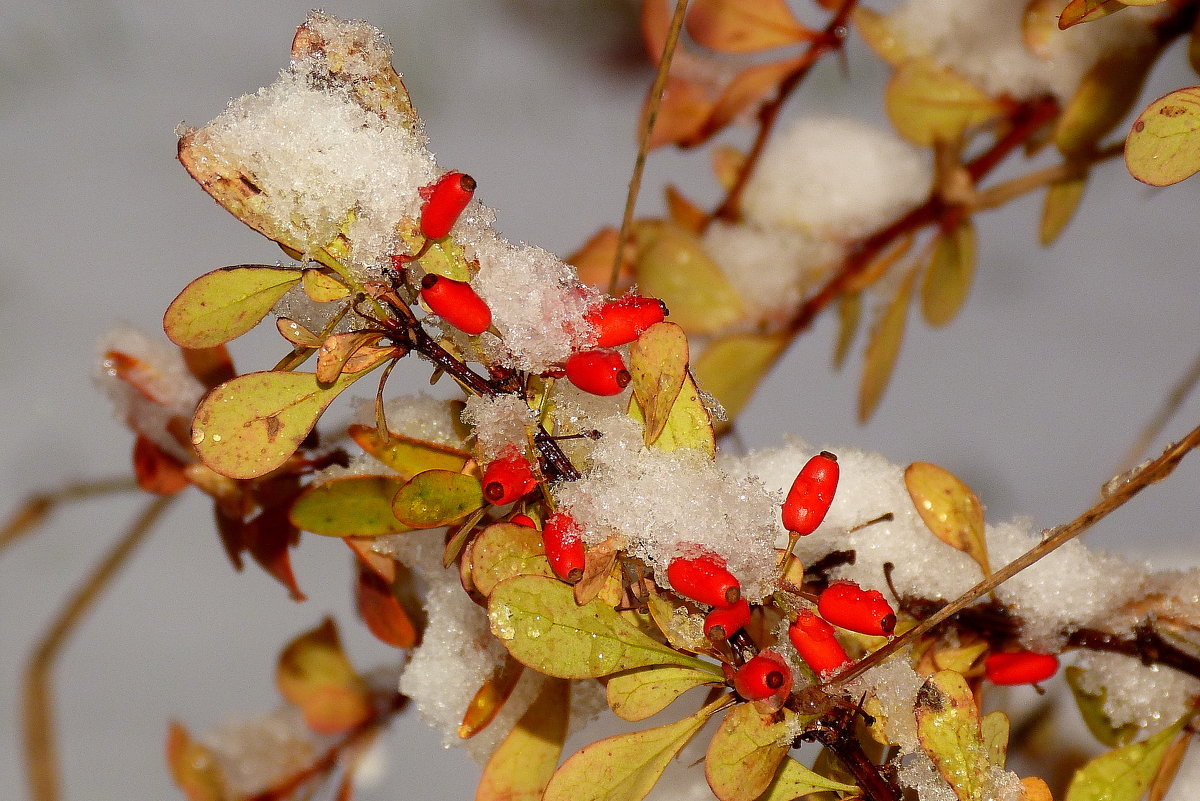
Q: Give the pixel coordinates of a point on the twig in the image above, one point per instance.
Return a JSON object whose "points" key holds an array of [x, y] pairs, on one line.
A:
{"points": [[639, 164], [1170, 406], [1001, 193], [41, 753], [33, 512], [1150, 473]]}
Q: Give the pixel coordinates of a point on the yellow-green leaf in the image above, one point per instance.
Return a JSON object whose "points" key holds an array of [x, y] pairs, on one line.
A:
{"points": [[437, 498], [949, 508], [624, 767], [315, 675], [658, 363], [882, 349], [1164, 145], [794, 780], [689, 424], [349, 506], [673, 267], [521, 767], [744, 755], [994, 729], [250, 425], [322, 286], [1168, 768], [226, 303], [849, 318], [406, 455], [1062, 201], [504, 550], [948, 728], [444, 257], [1105, 95], [928, 103], [193, 767], [1078, 11], [644, 692], [1091, 709], [1126, 773], [948, 279], [538, 621], [732, 367], [873, 27]]}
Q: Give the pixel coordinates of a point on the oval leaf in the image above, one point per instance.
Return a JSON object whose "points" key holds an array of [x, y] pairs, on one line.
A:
{"points": [[1105, 95], [658, 362], [744, 26], [350, 506], [794, 780], [949, 508], [504, 550], [645, 692], [948, 728], [745, 754], [437, 498], [1078, 11], [382, 611], [882, 349], [315, 675], [226, 303], [406, 455], [521, 767], [1126, 773], [673, 267], [688, 425], [1062, 200], [249, 426], [948, 279], [539, 623], [1164, 146], [928, 103]]}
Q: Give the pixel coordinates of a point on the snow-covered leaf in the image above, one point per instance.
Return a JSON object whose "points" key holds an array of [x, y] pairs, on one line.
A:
{"points": [[1091, 709], [948, 728]]}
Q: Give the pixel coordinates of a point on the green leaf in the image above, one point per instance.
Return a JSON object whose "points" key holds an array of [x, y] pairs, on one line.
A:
{"points": [[437, 498], [537, 620], [882, 349], [444, 257], [1105, 95], [948, 728], [948, 279], [644, 692], [1126, 773], [521, 767], [732, 367], [226, 303], [1164, 145], [1091, 709], [624, 767], [688, 425], [794, 780], [949, 508], [928, 103], [673, 267], [406, 455], [250, 425], [315, 675], [1062, 201], [745, 753], [658, 362], [504, 550], [349, 506]]}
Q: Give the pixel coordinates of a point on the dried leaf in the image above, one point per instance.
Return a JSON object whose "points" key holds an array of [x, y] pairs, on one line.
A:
{"points": [[1126, 773], [598, 568], [644, 692], [928, 103], [949, 508], [849, 318], [538, 621], [156, 470], [226, 303], [437, 498], [1163, 147], [504, 550], [627, 766], [382, 611], [323, 286], [948, 729], [732, 367], [794, 780], [994, 728], [744, 26], [1091, 709], [406, 455], [882, 349], [489, 698], [748, 89], [349, 506], [1062, 200], [689, 424], [1106, 94], [684, 213], [315, 675], [948, 279], [521, 767], [249, 426], [745, 753], [193, 767], [673, 267], [658, 362], [1078, 11], [337, 349]]}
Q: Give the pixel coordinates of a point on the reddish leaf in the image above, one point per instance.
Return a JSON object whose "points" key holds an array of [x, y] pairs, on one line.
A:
{"points": [[209, 366], [490, 697], [656, 21], [744, 26], [382, 566], [267, 538], [156, 470], [383, 613]]}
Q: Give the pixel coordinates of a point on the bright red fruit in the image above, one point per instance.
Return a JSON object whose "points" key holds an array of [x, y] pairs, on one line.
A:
{"points": [[723, 621], [508, 478], [762, 677], [815, 642], [1021, 667], [564, 548], [705, 579], [444, 201], [523, 520], [600, 372], [623, 320], [811, 494], [456, 303], [845, 604]]}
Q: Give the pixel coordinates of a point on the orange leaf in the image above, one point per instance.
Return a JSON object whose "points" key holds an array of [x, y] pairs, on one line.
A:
{"points": [[684, 212], [1078, 11], [382, 566], [193, 767], [315, 675], [490, 698], [656, 21], [743, 26], [267, 538], [747, 89], [210, 366], [682, 115], [383, 613], [594, 259], [156, 470]]}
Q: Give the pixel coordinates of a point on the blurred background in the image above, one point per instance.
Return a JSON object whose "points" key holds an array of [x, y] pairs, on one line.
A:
{"points": [[1032, 396]]}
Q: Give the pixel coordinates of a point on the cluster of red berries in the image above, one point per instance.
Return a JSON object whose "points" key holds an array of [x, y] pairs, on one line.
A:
{"points": [[843, 604]]}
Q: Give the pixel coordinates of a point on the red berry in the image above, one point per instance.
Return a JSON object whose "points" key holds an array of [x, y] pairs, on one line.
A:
{"points": [[456, 303], [623, 320], [564, 548], [704, 578], [815, 642], [848, 605], [523, 520], [1021, 667], [444, 201], [508, 478], [811, 494], [600, 372], [721, 623], [762, 677]]}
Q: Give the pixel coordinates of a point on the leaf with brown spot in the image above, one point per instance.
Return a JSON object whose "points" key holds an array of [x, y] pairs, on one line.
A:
{"points": [[744, 26], [1163, 146], [949, 508], [314, 675], [948, 730]]}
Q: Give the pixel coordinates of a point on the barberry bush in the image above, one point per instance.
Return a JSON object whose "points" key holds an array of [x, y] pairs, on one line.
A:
{"points": [[572, 535]]}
